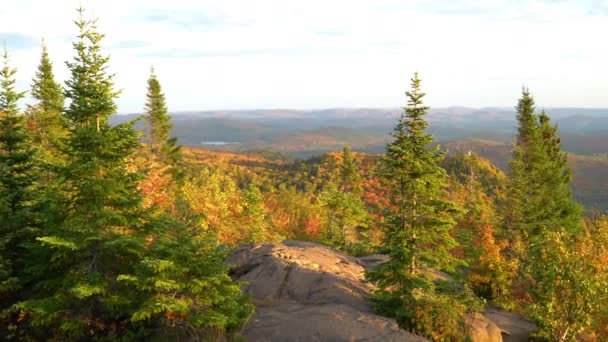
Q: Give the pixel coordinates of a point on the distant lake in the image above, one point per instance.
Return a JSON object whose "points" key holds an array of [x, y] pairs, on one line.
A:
{"points": [[219, 143]]}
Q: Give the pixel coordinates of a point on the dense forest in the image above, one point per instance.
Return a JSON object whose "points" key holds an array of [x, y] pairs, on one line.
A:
{"points": [[108, 232]]}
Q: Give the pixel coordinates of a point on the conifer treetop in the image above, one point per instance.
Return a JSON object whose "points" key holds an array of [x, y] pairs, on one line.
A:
{"points": [[9, 96], [91, 86], [528, 121], [45, 89]]}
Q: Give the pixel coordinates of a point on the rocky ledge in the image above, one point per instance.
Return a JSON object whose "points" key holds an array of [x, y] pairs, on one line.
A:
{"points": [[308, 292]]}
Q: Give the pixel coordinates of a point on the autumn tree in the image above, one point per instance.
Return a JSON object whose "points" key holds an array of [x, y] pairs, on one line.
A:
{"points": [[475, 183], [568, 290], [417, 232], [214, 202]]}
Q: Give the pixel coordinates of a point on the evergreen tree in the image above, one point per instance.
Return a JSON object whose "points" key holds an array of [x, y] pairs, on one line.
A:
{"points": [[45, 116], [115, 270], [19, 221], [557, 201], [417, 232], [540, 215], [350, 180], [162, 146], [255, 214], [527, 119], [539, 194]]}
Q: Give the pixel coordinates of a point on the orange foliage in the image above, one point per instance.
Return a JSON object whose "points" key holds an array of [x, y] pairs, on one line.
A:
{"points": [[156, 189]]}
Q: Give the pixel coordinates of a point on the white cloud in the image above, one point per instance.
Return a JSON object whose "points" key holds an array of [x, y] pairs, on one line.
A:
{"points": [[305, 54]]}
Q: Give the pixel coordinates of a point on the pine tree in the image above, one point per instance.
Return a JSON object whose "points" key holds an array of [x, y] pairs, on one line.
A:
{"points": [[19, 203], [45, 118], [350, 180], [417, 233], [162, 146], [115, 270]]}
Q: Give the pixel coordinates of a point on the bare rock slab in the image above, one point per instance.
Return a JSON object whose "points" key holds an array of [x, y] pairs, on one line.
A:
{"points": [[514, 326], [308, 292]]}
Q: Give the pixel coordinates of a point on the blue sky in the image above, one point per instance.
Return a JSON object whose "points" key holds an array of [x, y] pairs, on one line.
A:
{"points": [[239, 54]]}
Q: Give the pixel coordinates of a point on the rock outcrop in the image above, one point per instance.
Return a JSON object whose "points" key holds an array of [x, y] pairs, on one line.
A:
{"points": [[308, 292], [514, 327], [482, 329]]}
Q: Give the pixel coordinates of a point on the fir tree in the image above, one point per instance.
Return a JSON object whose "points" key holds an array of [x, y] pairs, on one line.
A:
{"points": [[556, 196], [350, 180], [45, 89], [541, 216], [19, 220], [527, 119], [417, 232], [162, 146], [539, 195], [45, 116], [115, 270]]}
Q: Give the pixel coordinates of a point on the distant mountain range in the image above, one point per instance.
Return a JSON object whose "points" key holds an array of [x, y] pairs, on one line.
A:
{"points": [[487, 131], [303, 133]]}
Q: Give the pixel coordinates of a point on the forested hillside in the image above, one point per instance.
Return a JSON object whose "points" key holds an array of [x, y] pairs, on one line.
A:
{"points": [[488, 132], [108, 232]]}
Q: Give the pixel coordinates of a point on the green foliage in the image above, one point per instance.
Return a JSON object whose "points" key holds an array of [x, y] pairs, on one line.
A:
{"points": [[19, 201], [115, 271], [417, 232], [345, 217], [186, 283], [45, 121], [568, 289], [539, 198], [440, 318], [545, 227], [255, 215], [349, 178]]}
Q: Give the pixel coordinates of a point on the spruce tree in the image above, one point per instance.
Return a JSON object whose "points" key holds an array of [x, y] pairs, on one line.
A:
{"points": [[350, 180], [518, 213], [19, 202], [162, 146], [556, 195], [540, 216], [539, 197], [45, 116], [417, 232], [115, 272]]}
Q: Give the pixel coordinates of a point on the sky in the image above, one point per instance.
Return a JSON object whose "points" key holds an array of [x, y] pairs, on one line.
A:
{"points": [[244, 54]]}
